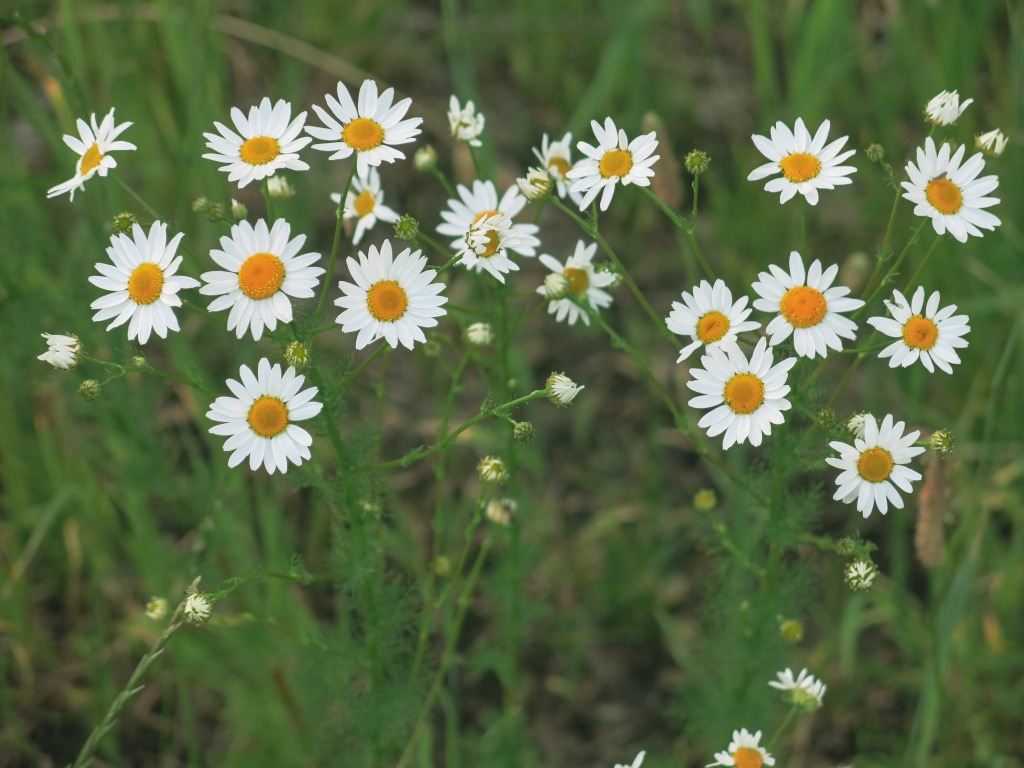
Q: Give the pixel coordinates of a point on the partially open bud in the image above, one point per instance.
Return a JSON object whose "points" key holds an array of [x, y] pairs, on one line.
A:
{"points": [[425, 158], [561, 389], [124, 221], [942, 443], [89, 390], [492, 470], [480, 334], [278, 186], [238, 210], [298, 355], [197, 608], [500, 511], [860, 575], [523, 432]]}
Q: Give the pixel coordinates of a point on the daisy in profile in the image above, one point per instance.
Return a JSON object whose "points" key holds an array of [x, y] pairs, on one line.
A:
{"points": [[481, 202], [806, 163], [744, 752], [259, 421], [369, 130], [263, 268], [556, 158], [465, 122], [141, 283], [267, 141], [875, 466], [586, 285], [945, 109], [746, 397], [808, 308], [365, 203], [925, 333], [951, 194], [392, 298], [804, 691], [614, 160], [709, 317], [62, 352], [93, 147]]}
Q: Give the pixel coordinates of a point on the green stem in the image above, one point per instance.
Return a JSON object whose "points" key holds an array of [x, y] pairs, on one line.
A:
{"points": [[781, 729], [924, 263], [267, 200], [444, 181], [880, 258], [893, 270], [152, 211], [687, 226], [334, 246], [351, 375]]}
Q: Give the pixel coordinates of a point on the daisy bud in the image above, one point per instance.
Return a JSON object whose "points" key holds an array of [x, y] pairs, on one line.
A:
{"points": [[480, 334], [278, 186], [156, 608], [298, 355], [561, 389], [536, 185], [138, 361], [942, 443], [212, 212], [945, 108], [791, 631], [875, 152], [705, 500], [500, 511], [197, 608], [238, 210], [696, 162], [557, 285], [62, 351], [425, 159], [89, 390], [992, 143], [855, 425], [827, 419], [523, 432], [492, 470], [432, 348], [442, 565], [845, 546], [406, 228], [860, 575], [124, 221], [200, 204]]}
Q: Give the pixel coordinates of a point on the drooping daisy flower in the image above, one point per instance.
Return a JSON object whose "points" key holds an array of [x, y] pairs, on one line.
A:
{"points": [[392, 298], [808, 308], [264, 269], [480, 203], [465, 122], [710, 317], [556, 157], [259, 420], [806, 163], [265, 143], [804, 690], [489, 243], [370, 130], [747, 397], [945, 109], [744, 752], [365, 203], [93, 147], [62, 352], [875, 466], [141, 282], [931, 335], [992, 143], [586, 284], [951, 194], [614, 160]]}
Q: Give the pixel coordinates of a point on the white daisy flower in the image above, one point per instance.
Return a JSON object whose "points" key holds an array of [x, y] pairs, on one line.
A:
{"points": [[804, 690], [392, 298], [141, 282], [465, 122], [710, 317], [637, 761], [197, 608], [480, 203], [991, 143], [925, 333], [556, 158], [61, 351], [807, 164], [365, 203], [808, 308], [747, 397], [875, 466], [264, 268], [370, 129], [945, 109], [586, 285], [259, 420], [951, 194], [265, 143], [744, 752], [489, 243], [615, 159], [536, 184], [93, 147]]}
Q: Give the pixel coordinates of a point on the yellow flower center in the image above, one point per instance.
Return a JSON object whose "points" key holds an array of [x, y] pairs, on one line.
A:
{"points": [[800, 166], [875, 465], [492, 237], [559, 167], [146, 283], [712, 327], [268, 416], [578, 280], [259, 150], [944, 195], [747, 757], [363, 134], [744, 393], [364, 203], [91, 158], [617, 162], [387, 301], [803, 306], [261, 276], [920, 333]]}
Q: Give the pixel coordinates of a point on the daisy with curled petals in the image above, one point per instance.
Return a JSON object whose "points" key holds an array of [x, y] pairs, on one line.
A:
{"points": [[808, 308], [93, 147], [264, 268], [259, 421], [746, 397], [806, 163], [875, 466], [392, 298], [614, 160], [945, 109], [710, 317], [141, 283], [365, 203], [951, 194], [925, 333], [480, 203], [556, 158], [744, 752], [267, 141], [370, 130], [586, 285]]}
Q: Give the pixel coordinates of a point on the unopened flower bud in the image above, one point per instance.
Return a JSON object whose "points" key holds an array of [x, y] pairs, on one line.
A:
{"points": [[500, 511], [942, 442], [406, 228], [523, 432], [278, 186], [705, 500], [197, 608], [138, 361], [875, 152], [845, 546], [298, 355], [696, 162], [480, 334], [860, 575], [89, 390], [561, 389], [156, 608], [200, 204], [492, 470], [124, 221], [791, 631], [238, 210], [827, 419], [425, 158], [442, 565]]}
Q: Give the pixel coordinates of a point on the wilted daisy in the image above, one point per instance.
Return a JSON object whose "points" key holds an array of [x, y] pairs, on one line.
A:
{"points": [[991, 143], [472, 206], [259, 421], [370, 130], [556, 158], [267, 141], [465, 122], [875, 466], [141, 283], [807, 164], [945, 109], [62, 351], [93, 147], [747, 397], [365, 203], [925, 333], [392, 297], [709, 317], [637, 762], [614, 160], [808, 307], [744, 752], [586, 285], [804, 690], [951, 194], [263, 268]]}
